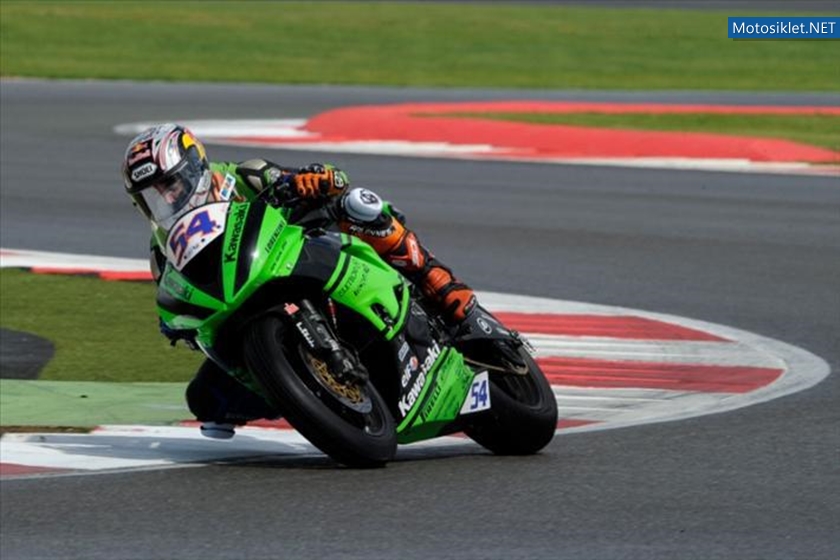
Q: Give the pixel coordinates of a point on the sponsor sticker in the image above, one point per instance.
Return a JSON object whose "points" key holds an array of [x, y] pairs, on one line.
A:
{"points": [[144, 171], [408, 399], [228, 187], [137, 155], [403, 351], [368, 197]]}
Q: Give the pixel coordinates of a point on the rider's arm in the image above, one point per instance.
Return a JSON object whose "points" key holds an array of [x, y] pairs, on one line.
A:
{"points": [[157, 260], [393, 211], [253, 176]]}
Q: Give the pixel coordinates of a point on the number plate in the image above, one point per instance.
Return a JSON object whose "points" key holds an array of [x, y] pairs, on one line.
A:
{"points": [[194, 231], [478, 398]]}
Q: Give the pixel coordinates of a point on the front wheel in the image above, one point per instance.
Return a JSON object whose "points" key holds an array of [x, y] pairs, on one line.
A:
{"points": [[523, 414], [347, 420]]}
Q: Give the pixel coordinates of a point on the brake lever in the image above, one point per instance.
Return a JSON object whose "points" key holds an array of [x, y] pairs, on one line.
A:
{"points": [[311, 213], [280, 194]]}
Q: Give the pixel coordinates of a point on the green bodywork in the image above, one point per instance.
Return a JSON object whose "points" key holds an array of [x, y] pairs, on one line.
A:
{"points": [[360, 280], [440, 399]]}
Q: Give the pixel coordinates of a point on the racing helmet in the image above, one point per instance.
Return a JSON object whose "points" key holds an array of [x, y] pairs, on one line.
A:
{"points": [[166, 173]]}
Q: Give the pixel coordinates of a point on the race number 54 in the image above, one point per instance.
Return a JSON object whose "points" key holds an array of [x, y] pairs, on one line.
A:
{"points": [[478, 397], [201, 224]]}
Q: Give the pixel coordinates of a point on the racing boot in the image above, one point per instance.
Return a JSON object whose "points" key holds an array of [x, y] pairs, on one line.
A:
{"points": [[454, 299], [486, 342]]}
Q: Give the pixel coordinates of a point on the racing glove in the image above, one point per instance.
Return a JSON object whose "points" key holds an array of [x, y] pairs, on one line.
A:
{"points": [[317, 180]]}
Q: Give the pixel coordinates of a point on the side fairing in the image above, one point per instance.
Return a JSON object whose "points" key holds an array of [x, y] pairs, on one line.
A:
{"points": [[365, 283]]}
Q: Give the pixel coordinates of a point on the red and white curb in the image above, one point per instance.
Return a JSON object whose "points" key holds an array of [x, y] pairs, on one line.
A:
{"points": [[439, 130], [610, 367]]}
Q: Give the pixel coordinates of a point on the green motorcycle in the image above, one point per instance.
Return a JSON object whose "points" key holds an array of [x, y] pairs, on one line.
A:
{"points": [[341, 343]]}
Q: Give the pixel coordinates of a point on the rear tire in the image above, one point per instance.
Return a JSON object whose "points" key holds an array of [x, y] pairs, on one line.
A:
{"points": [[348, 422], [523, 415]]}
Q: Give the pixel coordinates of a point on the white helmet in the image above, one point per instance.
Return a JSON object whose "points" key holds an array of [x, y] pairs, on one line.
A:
{"points": [[167, 174]]}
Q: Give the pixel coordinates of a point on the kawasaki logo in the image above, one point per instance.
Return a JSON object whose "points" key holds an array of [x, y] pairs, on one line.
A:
{"points": [[236, 234], [408, 400]]}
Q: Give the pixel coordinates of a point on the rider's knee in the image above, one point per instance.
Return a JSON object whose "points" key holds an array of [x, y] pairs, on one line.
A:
{"points": [[363, 206], [206, 392]]}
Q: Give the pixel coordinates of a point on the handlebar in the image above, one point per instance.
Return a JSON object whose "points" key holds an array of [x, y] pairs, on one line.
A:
{"points": [[308, 212], [280, 194]]}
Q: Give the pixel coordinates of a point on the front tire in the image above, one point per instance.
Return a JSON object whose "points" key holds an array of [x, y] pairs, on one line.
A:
{"points": [[523, 415], [349, 422]]}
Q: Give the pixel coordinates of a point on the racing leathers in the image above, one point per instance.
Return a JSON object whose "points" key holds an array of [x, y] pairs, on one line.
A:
{"points": [[213, 396]]}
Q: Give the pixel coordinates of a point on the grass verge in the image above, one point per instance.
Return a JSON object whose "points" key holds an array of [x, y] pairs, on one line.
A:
{"points": [[429, 44], [89, 403], [816, 130], [102, 331]]}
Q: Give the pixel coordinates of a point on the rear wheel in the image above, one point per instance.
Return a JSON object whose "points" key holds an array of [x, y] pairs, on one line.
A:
{"points": [[347, 420], [523, 414]]}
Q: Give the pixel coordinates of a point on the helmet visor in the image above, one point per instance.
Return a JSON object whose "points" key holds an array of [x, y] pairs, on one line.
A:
{"points": [[170, 197]]}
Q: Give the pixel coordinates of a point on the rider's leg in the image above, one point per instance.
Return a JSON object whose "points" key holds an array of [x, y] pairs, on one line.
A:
{"points": [[220, 402], [365, 218]]}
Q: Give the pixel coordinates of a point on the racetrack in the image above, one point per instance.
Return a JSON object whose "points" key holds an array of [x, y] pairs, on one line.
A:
{"points": [[756, 252]]}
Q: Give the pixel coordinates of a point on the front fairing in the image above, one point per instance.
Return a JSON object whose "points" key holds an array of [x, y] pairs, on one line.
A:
{"points": [[217, 257]]}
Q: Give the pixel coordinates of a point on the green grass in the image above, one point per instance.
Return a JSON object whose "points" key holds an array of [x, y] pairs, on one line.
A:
{"points": [[487, 45], [102, 331], [817, 130]]}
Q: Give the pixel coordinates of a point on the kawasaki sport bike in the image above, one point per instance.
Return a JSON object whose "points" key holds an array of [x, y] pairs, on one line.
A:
{"points": [[340, 342]]}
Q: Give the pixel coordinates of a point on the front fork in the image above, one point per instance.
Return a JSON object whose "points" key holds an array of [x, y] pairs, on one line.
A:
{"points": [[314, 330]]}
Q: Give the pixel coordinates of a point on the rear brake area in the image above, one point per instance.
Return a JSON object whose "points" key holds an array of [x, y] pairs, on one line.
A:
{"points": [[487, 343]]}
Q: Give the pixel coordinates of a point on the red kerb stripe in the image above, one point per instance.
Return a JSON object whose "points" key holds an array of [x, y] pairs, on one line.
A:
{"points": [[566, 423], [104, 274], [14, 468], [583, 372], [131, 276], [281, 424], [68, 271], [610, 326]]}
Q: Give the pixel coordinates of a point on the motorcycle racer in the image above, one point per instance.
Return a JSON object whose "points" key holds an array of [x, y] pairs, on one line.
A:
{"points": [[167, 173]]}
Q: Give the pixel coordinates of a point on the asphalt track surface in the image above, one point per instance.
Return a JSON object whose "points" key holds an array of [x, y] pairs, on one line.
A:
{"points": [[756, 252]]}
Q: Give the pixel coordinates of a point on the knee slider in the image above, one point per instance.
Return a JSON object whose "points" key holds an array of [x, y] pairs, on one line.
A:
{"points": [[362, 206]]}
